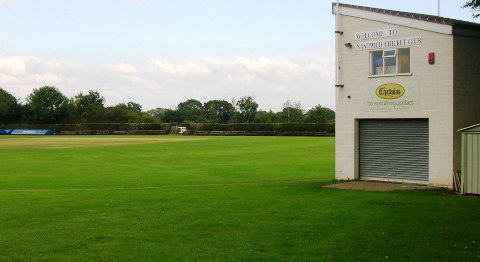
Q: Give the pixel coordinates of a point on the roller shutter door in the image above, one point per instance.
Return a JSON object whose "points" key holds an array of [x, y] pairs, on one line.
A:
{"points": [[394, 150]]}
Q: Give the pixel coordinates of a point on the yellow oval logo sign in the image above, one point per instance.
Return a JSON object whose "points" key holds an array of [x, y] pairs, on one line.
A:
{"points": [[390, 91]]}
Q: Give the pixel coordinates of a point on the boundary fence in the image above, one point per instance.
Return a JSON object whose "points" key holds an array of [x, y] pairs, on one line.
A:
{"points": [[197, 129]]}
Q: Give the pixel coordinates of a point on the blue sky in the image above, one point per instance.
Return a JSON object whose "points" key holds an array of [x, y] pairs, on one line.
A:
{"points": [[160, 52]]}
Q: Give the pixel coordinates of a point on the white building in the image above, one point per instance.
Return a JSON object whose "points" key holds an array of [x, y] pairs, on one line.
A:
{"points": [[405, 84]]}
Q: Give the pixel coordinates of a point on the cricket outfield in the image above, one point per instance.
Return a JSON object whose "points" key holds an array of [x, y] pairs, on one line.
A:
{"points": [[213, 199]]}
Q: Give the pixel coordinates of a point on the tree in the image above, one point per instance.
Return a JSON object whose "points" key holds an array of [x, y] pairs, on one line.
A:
{"points": [[158, 113], [48, 105], [171, 116], [268, 117], [292, 112], [319, 114], [140, 117], [121, 113], [191, 110], [9, 107], [144, 117], [136, 107], [26, 114], [474, 5], [129, 112], [90, 106], [247, 108], [218, 111]]}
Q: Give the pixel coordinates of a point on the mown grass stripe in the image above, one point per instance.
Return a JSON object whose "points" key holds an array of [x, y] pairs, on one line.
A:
{"points": [[284, 182]]}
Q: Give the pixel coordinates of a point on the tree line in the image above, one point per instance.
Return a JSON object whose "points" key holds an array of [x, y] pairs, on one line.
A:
{"points": [[47, 105]]}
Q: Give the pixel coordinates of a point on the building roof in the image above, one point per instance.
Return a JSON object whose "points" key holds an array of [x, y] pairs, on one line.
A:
{"points": [[474, 128], [454, 23]]}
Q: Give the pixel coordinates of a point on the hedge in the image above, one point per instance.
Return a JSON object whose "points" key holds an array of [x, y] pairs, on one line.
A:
{"points": [[263, 127], [194, 128]]}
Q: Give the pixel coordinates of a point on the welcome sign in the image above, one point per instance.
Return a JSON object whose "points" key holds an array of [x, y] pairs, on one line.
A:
{"points": [[378, 43], [391, 97], [376, 34]]}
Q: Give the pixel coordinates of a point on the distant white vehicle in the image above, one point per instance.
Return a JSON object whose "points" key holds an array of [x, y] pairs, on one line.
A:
{"points": [[182, 130]]}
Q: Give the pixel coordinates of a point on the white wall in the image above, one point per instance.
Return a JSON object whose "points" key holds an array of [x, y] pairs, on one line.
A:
{"points": [[435, 84]]}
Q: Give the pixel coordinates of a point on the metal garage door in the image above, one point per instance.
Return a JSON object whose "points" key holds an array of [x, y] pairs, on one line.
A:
{"points": [[394, 149]]}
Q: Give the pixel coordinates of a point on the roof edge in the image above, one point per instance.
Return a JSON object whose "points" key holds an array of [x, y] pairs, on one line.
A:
{"points": [[416, 16], [468, 127]]}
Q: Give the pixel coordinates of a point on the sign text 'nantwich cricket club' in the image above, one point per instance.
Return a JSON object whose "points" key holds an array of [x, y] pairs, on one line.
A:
{"points": [[389, 43], [384, 43]]}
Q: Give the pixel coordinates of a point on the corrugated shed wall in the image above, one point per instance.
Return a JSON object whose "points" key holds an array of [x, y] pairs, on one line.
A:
{"points": [[470, 163]]}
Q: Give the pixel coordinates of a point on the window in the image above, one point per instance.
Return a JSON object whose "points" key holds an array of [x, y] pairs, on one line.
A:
{"points": [[390, 62]]}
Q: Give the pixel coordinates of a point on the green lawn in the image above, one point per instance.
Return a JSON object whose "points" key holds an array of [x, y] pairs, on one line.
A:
{"points": [[213, 199]]}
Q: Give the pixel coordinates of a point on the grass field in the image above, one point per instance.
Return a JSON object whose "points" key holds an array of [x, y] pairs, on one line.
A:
{"points": [[164, 198]]}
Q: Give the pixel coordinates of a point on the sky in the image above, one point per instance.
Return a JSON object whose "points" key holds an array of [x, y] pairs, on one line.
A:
{"points": [[159, 53]]}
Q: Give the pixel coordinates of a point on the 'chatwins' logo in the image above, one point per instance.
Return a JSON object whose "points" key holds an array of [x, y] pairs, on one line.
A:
{"points": [[390, 91]]}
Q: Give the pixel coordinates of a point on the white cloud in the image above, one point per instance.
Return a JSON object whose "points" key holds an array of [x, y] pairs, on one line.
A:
{"points": [[271, 81], [14, 66], [190, 68], [7, 2], [47, 79], [157, 83], [264, 64], [21, 74], [137, 2], [4, 78], [122, 68]]}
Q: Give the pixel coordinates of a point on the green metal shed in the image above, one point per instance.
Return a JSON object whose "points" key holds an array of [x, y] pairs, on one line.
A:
{"points": [[470, 173]]}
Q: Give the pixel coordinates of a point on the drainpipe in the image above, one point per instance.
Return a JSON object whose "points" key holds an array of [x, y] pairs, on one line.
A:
{"points": [[337, 64], [337, 49]]}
